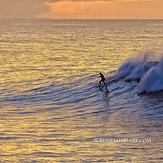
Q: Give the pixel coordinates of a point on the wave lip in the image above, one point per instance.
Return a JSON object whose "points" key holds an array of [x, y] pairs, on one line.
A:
{"points": [[149, 73], [153, 80]]}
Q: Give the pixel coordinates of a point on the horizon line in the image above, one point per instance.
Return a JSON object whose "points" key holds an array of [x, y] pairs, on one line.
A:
{"points": [[81, 18]]}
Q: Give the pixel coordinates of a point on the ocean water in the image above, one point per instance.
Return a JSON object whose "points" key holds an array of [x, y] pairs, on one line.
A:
{"points": [[51, 108]]}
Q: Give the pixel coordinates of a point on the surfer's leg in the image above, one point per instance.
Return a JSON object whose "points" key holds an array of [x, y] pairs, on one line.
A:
{"points": [[105, 86], [99, 83], [104, 83]]}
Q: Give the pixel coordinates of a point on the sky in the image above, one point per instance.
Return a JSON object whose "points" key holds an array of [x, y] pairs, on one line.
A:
{"points": [[81, 9]]}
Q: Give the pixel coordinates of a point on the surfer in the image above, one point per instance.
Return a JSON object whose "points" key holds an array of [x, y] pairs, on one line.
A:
{"points": [[102, 80]]}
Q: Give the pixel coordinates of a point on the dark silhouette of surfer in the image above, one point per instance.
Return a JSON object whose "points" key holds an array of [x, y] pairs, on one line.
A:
{"points": [[102, 80]]}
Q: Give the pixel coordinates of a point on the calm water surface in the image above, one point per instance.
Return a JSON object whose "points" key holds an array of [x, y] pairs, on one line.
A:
{"points": [[51, 109]]}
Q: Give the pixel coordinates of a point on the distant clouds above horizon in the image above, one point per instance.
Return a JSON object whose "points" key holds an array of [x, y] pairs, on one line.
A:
{"points": [[82, 9]]}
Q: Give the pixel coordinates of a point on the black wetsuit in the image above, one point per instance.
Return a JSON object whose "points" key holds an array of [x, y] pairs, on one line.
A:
{"points": [[102, 79]]}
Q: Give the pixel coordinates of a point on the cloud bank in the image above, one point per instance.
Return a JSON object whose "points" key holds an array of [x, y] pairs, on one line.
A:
{"points": [[21, 8], [28, 9]]}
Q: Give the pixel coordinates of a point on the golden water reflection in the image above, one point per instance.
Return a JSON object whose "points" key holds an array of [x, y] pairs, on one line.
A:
{"points": [[43, 137]]}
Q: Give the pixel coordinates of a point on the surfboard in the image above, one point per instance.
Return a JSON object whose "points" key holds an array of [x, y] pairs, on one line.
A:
{"points": [[104, 90], [100, 89]]}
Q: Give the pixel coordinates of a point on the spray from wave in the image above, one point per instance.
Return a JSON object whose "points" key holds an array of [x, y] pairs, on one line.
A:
{"points": [[148, 70]]}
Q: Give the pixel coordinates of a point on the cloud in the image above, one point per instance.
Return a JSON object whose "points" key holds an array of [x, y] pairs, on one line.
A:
{"points": [[35, 8], [102, 0], [29, 8], [51, 1], [77, 0], [21, 8]]}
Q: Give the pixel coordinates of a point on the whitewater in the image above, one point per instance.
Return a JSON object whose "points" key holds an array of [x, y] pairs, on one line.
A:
{"points": [[148, 73]]}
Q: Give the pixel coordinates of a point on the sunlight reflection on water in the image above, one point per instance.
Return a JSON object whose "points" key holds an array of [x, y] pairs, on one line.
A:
{"points": [[50, 106]]}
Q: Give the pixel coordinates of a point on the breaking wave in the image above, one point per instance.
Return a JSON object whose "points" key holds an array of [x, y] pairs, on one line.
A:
{"points": [[149, 73]]}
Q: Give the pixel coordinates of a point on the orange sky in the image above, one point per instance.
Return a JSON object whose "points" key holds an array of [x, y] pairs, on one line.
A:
{"points": [[82, 9]]}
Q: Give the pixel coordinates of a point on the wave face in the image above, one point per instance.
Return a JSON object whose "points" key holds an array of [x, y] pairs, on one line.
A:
{"points": [[149, 73]]}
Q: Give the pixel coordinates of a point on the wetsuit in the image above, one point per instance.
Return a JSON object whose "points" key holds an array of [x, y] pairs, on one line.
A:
{"points": [[102, 79]]}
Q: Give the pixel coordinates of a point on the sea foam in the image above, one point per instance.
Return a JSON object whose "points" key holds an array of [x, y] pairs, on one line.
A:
{"points": [[150, 73], [152, 80]]}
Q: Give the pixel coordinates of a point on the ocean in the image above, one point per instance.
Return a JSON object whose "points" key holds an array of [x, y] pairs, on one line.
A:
{"points": [[51, 107]]}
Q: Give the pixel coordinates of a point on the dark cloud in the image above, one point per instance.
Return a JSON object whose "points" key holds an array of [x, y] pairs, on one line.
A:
{"points": [[21, 8], [28, 8]]}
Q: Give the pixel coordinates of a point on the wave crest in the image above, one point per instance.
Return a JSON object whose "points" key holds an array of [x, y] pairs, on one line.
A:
{"points": [[150, 73]]}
